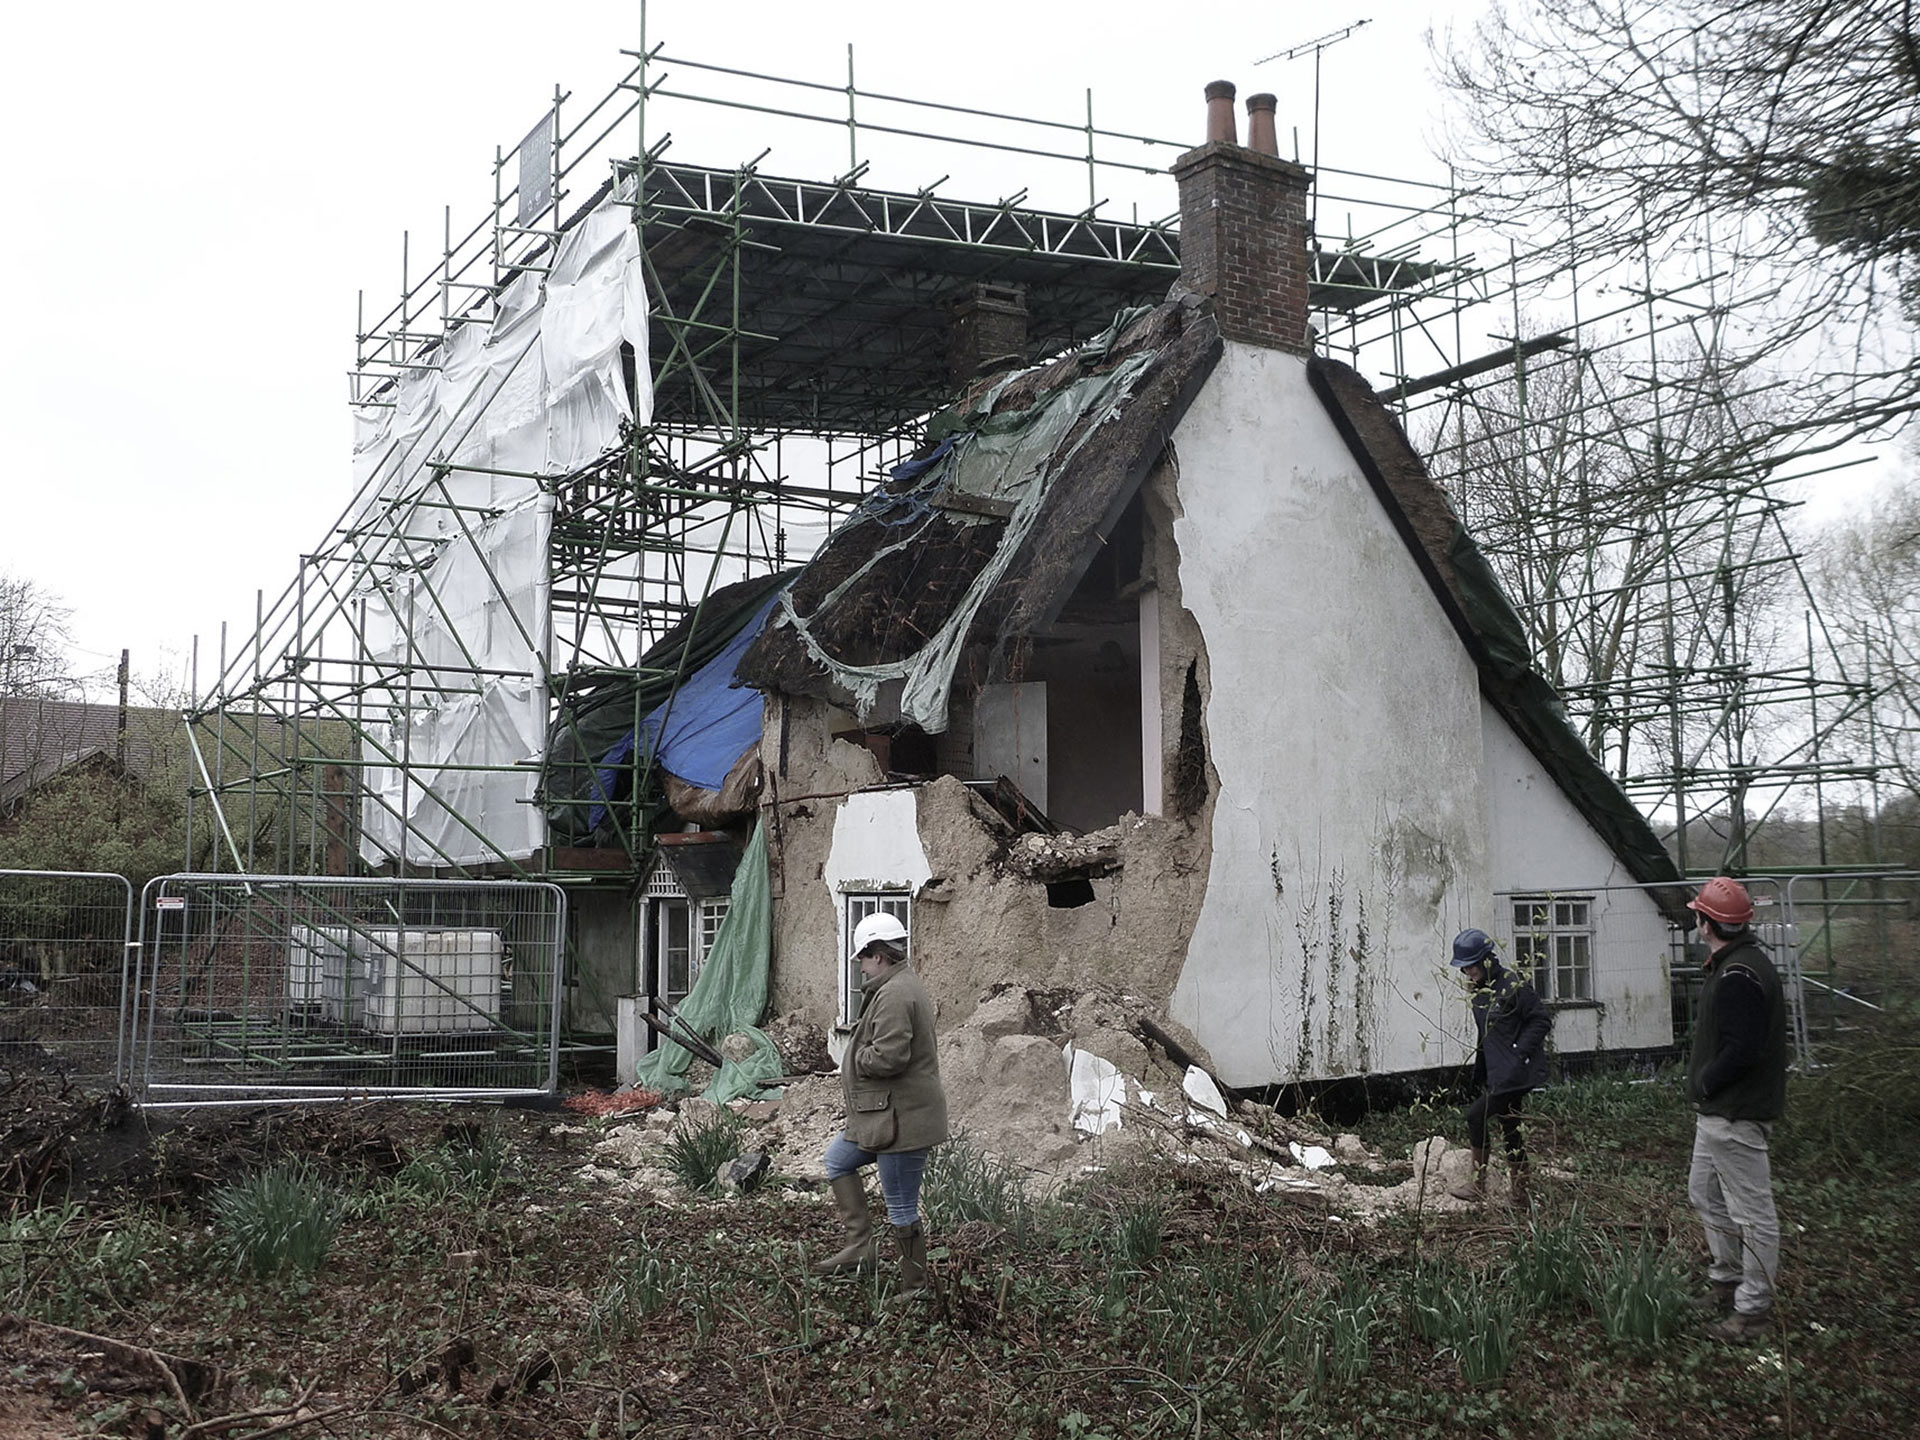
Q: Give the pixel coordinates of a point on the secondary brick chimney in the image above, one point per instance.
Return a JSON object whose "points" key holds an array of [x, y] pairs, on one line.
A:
{"points": [[987, 331], [1243, 227]]}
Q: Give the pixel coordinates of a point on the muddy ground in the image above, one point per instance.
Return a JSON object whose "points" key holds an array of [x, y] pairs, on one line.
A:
{"points": [[520, 1272]]}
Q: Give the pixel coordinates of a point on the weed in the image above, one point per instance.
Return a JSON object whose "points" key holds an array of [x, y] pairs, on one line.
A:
{"points": [[60, 1266], [699, 1149], [283, 1218], [1330, 1339], [478, 1156], [1429, 1297], [1139, 1228], [1642, 1292], [965, 1183], [1547, 1267], [472, 1165], [1485, 1339], [1468, 1313], [638, 1287]]}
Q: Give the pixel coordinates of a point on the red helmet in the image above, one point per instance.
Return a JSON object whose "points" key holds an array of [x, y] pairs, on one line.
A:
{"points": [[1724, 900]]}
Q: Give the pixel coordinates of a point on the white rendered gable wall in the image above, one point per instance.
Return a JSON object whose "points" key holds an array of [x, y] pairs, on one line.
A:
{"points": [[1541, 844], [1344, 724]]}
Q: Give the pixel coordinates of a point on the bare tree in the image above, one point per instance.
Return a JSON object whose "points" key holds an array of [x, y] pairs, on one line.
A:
{"points": [[1769, 149], [1869, 571], [1629, 522], [33, 640]]}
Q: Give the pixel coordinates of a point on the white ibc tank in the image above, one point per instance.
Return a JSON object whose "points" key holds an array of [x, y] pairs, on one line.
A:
{"points": [[316, 965], [429, 982]]}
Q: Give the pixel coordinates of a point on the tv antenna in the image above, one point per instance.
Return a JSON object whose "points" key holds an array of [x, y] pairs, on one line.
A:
{"points": [[1315, 47]]}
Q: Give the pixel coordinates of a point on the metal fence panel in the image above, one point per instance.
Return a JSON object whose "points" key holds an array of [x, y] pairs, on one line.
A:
{"points": [[63, 951], [1857, 949], [292, 989]]}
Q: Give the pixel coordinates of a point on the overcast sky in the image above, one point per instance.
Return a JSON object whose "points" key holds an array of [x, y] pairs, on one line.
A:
{"points": [[199, 190]]}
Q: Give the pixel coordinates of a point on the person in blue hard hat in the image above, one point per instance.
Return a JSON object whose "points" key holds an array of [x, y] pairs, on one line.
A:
{"points": [[1509, 1059]]}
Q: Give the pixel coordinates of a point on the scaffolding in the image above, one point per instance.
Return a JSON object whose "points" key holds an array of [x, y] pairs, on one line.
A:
{"points": [[390, 711]]}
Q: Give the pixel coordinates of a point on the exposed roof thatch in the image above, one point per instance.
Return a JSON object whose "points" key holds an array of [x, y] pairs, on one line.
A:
{"points": [[865, 607]]}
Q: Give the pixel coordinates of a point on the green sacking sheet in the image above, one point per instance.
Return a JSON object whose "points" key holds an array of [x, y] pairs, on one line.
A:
{"points": [[730, 995]]}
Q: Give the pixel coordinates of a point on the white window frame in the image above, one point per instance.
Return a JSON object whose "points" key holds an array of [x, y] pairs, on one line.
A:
{"points": [[1553, 944], [703, 917], [709, 915], [855, 906]]}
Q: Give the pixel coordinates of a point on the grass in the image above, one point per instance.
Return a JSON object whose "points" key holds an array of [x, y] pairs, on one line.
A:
{"points": [[699, 1150], [1548, 1263], [1641, 1291], [963, 1183]]}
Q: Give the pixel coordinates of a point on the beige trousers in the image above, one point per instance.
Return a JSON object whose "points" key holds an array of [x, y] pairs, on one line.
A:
{"points": [[1731, 1187]]}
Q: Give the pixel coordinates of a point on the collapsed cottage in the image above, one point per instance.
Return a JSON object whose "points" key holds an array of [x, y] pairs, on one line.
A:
{"points": [[1164, 670]]}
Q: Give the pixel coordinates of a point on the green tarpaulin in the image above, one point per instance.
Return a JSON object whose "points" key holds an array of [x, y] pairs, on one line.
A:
{"points": [[730, 995]]}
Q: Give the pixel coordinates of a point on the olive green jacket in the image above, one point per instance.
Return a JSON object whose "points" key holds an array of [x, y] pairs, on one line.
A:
{"points": [[891, 1073]]}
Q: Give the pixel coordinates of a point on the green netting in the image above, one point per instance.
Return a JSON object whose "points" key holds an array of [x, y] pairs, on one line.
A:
{"points": [[730, 997]]}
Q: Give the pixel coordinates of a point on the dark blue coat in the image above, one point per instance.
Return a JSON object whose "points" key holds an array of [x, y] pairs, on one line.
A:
{"points": [[1511, 1027]]}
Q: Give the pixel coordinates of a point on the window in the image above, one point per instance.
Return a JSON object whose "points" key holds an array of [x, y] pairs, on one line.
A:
{"points": [[1553, 944], [680, 934], [858, 905]]}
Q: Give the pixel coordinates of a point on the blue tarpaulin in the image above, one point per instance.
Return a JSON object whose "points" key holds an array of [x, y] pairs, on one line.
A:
{"points": [[702, 729]]}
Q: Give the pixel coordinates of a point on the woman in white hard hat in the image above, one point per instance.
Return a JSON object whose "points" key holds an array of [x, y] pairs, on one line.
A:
{"points": [[896, 1108]]}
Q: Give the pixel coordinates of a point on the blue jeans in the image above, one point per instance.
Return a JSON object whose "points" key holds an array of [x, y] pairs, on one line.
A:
{"points": [[900, 1174]]}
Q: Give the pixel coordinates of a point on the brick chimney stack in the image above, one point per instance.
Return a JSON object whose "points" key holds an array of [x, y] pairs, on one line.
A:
{"points": [[1243, 227]]}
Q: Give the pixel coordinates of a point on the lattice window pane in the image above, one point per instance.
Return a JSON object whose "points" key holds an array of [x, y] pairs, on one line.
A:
{"points": [[1553, 941], [897, 903]]}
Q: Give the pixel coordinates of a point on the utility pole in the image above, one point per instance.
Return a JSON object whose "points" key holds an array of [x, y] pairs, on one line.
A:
{"points": [[120, 729]]}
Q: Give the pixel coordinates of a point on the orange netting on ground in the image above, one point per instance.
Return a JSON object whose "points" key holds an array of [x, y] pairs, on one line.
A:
{"points": [[596, 1102]]}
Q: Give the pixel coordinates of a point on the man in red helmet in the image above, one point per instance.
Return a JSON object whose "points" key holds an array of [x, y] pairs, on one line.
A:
{"points": [[1737, 1081]]}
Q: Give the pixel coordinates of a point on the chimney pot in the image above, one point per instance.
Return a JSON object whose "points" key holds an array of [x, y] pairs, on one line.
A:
{"points": [[1261, 136], [1220, 122]]}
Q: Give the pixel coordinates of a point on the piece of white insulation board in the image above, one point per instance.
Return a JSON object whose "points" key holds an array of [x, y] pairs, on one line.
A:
{"points": [[1314, 1157], [1097, 1090], [1202, 1091]]}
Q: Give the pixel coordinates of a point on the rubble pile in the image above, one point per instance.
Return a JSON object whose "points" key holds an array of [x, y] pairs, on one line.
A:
{"points": [[1061, 1086]]}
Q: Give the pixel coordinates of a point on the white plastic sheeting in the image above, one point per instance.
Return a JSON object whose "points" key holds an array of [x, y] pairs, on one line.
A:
{"points": [[453, 526], [1098, 1091], [463, 630]]}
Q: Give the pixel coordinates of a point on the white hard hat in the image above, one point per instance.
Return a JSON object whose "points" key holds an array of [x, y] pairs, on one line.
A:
{"points": [[878, 926]]}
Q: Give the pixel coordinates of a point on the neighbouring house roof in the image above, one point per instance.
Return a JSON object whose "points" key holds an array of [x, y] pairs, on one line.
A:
{"points": [[41, 738]]}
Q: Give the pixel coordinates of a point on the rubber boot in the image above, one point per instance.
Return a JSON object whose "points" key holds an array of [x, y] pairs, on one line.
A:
{"points": [[1520, 1176], [912, 1240], [1717, 1299], [1474, 1187], [861, 1252], [1740, 1327]]}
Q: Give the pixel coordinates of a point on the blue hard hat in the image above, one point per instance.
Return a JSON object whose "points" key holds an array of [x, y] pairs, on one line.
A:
{"points": [[1471, 947]]}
